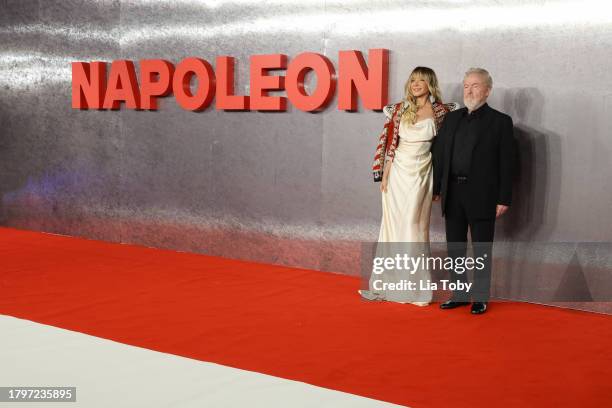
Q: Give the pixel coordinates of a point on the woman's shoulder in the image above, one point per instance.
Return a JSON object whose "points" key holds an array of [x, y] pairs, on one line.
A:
{"points": [[441, 110], [390, 109], [447, 107]]}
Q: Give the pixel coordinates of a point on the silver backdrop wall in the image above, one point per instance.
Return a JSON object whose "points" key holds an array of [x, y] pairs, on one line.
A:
{"points": [[295, 188]]}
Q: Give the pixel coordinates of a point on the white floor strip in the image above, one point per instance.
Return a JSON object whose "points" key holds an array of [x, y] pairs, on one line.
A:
{"points": [[108, 374]]}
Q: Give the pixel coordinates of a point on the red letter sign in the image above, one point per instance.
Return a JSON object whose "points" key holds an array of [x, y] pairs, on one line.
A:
{"points": [[206, 84], [261, 83], [326, 81], [88, 84], [225, 87], [158, 77], [122, 86], [150, 87], [355, 77]]}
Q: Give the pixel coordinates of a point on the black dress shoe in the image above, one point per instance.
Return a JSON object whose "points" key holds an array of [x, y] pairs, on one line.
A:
{"points": [[479, 307], [451, 304]]}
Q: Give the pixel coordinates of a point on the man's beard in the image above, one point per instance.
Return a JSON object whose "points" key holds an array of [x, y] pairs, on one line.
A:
{"points": [[471, 104]]}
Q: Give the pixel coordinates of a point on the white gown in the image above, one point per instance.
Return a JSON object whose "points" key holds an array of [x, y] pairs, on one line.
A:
{"points": [[406, 210]]}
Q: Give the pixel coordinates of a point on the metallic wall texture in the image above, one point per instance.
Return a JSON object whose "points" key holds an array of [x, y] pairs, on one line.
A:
{"points": [[293, 188]]}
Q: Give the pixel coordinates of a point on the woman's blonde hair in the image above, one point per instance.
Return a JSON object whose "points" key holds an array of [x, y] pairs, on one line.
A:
{"points": [[430, 78]]}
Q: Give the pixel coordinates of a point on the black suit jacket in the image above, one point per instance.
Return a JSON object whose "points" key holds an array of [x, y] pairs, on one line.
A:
{"points": [[492, 162]]}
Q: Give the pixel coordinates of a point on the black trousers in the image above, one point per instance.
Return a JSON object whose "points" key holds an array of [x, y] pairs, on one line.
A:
{"points": [[482, 232]]}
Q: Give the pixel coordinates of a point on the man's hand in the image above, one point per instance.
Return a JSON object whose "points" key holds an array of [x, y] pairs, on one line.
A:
{"points": [[501, 209], [436, 197]]}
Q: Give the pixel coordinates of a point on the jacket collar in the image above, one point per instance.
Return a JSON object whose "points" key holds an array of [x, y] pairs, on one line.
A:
{"points": [[478, 112]]}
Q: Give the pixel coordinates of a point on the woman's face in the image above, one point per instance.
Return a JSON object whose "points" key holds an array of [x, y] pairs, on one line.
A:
{"points": [[418, 86]]}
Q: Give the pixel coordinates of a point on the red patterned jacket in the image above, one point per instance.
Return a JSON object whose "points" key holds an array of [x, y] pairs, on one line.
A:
{"points": [[389, 138]]}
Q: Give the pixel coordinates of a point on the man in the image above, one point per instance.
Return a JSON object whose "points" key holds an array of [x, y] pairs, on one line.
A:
{"points": [[474, 155]]}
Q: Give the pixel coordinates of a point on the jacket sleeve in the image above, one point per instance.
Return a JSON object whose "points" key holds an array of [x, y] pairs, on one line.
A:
{"points": [[437, 154], [390, 111], [507, 162], [381, 148]]}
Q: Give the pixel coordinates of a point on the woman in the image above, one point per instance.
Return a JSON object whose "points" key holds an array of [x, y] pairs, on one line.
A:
{"points": [[403, 165]]}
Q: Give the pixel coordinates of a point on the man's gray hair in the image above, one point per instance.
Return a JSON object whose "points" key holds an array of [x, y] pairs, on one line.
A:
{"points": [[483, 72]]}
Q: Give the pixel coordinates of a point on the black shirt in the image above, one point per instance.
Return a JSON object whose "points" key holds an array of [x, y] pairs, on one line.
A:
{"points": [[465, 139]]}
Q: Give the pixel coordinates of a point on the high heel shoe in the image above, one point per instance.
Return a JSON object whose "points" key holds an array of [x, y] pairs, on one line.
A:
{"points": [[369, 295]]}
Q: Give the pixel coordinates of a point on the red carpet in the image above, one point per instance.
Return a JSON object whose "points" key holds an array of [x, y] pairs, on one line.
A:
{"points": [[308, 326]]}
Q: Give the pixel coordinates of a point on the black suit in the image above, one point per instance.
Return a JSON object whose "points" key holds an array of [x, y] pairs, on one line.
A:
{"points": [[471, 200]]}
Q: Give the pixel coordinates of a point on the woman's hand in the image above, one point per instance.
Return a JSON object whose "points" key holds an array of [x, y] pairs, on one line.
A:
{"points": [[385, 179], [383, 183]]}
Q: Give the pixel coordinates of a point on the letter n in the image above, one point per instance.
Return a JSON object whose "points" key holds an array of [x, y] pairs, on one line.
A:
{"points": [[88, 84], [355, 77]]}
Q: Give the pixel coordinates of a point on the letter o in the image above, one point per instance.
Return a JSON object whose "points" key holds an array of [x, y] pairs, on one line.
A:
{"points": [[326, 81], [206, 84]]}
